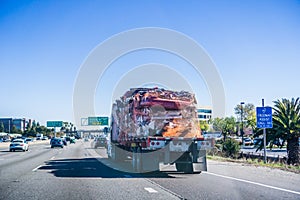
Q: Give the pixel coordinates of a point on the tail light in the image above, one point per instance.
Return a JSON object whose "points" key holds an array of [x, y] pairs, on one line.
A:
{"points": [[148, 142]]}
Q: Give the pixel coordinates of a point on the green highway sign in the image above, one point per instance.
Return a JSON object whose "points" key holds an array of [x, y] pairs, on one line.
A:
{"points": [[97, 121], [54, 123]]}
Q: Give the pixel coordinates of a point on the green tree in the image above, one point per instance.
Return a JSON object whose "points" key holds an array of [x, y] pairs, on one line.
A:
{"points": [[1, 127], [226, 125], [14, 129], [39, 129], [63, 128], [286, 124], [247, 114], [34, 125], [217, 123], [204, 126], [231, 147], [71, 128], [28, 128], [251, 119]]}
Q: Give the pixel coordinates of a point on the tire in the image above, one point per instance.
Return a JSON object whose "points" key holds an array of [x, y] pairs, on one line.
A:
{"points": [[10, 150]]}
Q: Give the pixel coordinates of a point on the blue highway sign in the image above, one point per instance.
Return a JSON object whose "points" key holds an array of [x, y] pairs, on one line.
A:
{"points": [[264, 117]]}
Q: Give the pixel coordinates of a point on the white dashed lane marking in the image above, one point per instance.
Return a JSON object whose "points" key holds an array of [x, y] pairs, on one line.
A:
{"points": [[150, 190], [35, 169]]}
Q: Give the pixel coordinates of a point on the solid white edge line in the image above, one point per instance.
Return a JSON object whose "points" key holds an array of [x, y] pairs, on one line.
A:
{"points": [[35, 169], [251, 182], [150, 190]]}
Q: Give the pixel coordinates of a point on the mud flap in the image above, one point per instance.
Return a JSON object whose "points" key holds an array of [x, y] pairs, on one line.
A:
{"points": [[150, 161], [201, 161], [185, 167], [136, 161], [143, 162], [117, 153]]}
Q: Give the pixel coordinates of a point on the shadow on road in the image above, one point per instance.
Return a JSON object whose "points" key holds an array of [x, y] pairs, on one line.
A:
{"points": [[92, 168]]}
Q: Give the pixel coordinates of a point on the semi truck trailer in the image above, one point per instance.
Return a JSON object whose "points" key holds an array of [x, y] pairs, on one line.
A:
{"points": [[154, 126]]}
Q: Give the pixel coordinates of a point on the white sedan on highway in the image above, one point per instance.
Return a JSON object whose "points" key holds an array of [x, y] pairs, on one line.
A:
{"points": [[18, 144]]}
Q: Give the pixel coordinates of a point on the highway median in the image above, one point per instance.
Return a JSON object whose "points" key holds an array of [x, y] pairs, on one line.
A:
{"points": [[4, 145]]}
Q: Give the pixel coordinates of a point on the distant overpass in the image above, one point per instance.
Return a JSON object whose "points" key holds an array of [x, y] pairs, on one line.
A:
{"points": [[91, 132]]}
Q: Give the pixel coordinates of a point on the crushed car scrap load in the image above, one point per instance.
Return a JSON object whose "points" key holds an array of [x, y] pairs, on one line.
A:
{"points": [[143, 112]]}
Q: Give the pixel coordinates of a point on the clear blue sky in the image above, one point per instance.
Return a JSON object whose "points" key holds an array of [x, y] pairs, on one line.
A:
{"points": [[254, 44]]}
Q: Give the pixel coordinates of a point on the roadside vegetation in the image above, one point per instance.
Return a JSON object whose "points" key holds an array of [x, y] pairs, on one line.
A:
{"points": [[258, 162], [33, 128], [284, 134]]}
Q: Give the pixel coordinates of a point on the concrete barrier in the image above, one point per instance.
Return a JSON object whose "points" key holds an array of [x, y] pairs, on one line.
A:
{"points": [[6, 144]]}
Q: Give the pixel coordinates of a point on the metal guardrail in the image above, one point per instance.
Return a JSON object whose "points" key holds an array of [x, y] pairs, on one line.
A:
{"points": [[269, 158]]}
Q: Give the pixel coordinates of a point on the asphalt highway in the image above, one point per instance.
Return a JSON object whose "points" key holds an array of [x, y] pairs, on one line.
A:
{"points": [[80, 172]]}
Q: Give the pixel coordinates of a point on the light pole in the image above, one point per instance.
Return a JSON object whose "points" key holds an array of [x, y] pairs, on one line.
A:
{"points": [[242, 123]]}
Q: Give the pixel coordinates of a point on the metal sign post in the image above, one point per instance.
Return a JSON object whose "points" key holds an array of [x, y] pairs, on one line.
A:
{"points": [[264, 120], [265, 137], [54, 132]]}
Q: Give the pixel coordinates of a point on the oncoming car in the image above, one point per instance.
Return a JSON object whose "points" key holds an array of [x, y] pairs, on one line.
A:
{"points": [[18, 144]]}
